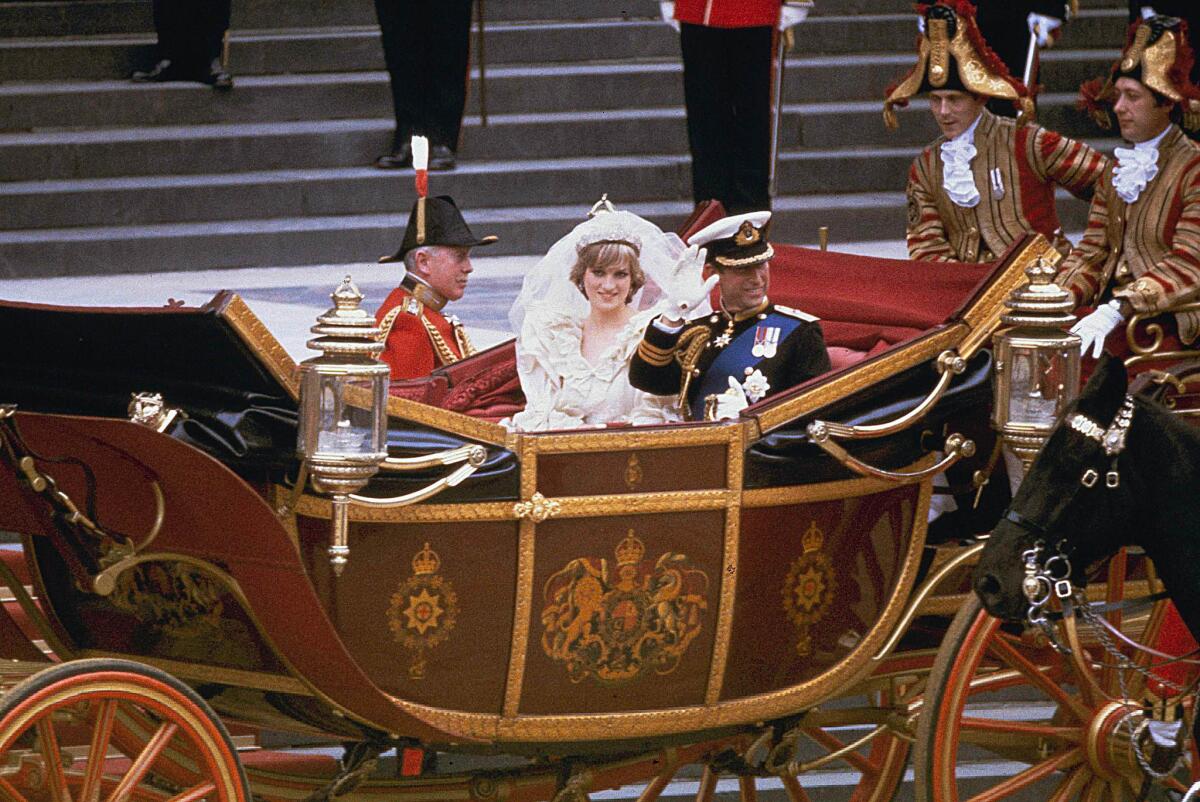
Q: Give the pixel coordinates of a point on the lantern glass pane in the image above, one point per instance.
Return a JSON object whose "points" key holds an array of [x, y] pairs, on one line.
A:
{"points": [[1036, 386], [341, 414]]}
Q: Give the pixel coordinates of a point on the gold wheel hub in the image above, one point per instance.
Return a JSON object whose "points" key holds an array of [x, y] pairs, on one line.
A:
{"points": [[1107, 742]]}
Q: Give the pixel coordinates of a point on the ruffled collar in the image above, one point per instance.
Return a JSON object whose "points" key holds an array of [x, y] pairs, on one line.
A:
{"points": [[957, 179], [1136, 167], [564, 334]]}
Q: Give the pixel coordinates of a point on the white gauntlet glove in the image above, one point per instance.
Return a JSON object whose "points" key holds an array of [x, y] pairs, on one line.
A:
{"points": [[667, 10], [1044, 27], [793, 13], [1095, 328], [730, 403], [687, 289]]}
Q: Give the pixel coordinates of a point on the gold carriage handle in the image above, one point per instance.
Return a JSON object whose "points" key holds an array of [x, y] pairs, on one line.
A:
{"points": [[1151, 352], [956, 447], [949, 364], [415, 496], [471, 454]]}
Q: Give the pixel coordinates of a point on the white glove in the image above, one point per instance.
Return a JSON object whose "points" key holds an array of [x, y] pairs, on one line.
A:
{"points": [[667, 9], [1148, 12], [1044, 27], [920, 24], [793, 13], [687, 289], [1095, 328], [731, 402]]}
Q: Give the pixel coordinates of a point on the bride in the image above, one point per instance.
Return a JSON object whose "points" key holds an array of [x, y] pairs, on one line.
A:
{"points": [[581, 313]]}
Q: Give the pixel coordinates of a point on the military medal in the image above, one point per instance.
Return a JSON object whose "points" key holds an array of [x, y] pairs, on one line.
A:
{"points": [[766, 342], [997, 184], [722, 340]]}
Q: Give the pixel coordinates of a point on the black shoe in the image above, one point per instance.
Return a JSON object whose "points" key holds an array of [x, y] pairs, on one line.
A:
{"points": [[216, 76], [164, 70], [399, 158], [441, 158]]}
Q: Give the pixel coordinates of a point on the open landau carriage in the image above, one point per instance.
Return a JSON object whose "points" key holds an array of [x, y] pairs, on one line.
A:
{"points": [[539, 616]]}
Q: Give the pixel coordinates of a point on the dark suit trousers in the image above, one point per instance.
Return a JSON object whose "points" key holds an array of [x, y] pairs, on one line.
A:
{"points": [[426, 45], [191, 32], [727, 89]]}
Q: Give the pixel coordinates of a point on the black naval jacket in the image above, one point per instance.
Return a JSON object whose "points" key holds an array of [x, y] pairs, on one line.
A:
{"points": [[658, 364]]}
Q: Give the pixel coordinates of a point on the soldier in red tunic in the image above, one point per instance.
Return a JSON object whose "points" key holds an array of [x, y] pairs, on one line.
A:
{"points": [[1141, 250], [436, 253], [989, 180]]}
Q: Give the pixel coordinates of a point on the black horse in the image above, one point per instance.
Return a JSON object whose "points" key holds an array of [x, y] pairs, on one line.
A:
{"points": [[1118, 470]]}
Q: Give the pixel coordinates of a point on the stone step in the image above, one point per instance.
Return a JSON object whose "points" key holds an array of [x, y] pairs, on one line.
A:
{"points": [[183, 150], [74, 18], [512, 89], [364, 190], [361, 238]]}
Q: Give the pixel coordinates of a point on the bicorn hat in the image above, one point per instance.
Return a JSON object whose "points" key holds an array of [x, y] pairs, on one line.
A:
{"points": [[436, 220], [739, 240], [1158, 55], [952, 55]]}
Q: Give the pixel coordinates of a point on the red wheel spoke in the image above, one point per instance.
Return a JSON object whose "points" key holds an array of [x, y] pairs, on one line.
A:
{"points": [[795, 791], [708, 784], [194, 794], [1021, 728], [141, 766], [1031, 775], [10, 791], [56, 774], [1071, 786], [748, 788], [659, 784], [831, 743], [1004, 651], [93, 775]]}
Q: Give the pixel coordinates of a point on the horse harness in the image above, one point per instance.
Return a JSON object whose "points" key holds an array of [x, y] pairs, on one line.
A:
{"points": [[1051, 578]]}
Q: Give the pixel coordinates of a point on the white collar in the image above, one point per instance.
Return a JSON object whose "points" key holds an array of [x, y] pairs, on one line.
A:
{"points": [[1150, 144], [968, 135]]}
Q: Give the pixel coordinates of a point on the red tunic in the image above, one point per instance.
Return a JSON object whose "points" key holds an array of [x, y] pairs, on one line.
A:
{"points": [[728, 13], [410, 350]]}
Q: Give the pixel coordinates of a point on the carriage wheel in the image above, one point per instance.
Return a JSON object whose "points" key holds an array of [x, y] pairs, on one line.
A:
{"points": [[1009, 706], [113, 729]]}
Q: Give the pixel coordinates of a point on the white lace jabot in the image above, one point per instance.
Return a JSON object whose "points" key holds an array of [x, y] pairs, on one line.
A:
{"points": [[957, 180], [1136, 167]]}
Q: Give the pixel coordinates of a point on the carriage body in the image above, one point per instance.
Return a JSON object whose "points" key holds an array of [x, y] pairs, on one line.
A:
{"points": [[585, 592]]}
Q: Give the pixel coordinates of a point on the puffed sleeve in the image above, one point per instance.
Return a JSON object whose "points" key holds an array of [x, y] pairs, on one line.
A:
{"points": [[541, 380]]}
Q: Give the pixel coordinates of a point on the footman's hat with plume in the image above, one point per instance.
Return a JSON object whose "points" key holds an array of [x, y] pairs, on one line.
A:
{"points": [[952, 55], [436, 220]]}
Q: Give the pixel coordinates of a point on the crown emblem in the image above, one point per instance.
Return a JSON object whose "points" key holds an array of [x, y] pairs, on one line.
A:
{"points": [[426, 561], [747, 234], [813, 538], [630, 550]]}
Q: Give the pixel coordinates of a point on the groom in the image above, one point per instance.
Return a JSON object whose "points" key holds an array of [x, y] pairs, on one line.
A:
{"points": [[748, 349]]}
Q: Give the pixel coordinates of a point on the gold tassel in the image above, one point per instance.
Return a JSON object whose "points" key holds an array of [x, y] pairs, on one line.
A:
{"points": [[1027, 111], [1101, 118], [889, 117]]}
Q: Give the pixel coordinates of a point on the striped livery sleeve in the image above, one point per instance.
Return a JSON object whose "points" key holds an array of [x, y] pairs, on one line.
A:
{"points": [[1082, 271], [1072, 165], [1176, 278], [926, 232]]}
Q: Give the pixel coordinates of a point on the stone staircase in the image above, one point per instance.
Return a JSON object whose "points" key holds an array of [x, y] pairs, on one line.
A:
{"points": [[98, 175]]}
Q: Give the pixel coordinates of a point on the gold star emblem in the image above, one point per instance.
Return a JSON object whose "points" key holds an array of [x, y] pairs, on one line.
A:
{"points": [[423, 611], [722, 340]]}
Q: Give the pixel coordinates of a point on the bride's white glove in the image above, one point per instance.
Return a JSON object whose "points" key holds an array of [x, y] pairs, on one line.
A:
{"points": [[687, 288], [1095, 328], [667, 10], [730, 403]]}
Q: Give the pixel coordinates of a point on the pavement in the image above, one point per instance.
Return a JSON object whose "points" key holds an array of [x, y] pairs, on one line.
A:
{"points": [[288, 299]]}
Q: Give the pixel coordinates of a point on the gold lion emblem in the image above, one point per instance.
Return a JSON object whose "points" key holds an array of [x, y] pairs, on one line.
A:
{"points": [[614, 626]]}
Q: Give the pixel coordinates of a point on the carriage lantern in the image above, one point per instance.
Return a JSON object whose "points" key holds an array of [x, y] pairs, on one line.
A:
{"points": [[343, 423], [1037, 363]]}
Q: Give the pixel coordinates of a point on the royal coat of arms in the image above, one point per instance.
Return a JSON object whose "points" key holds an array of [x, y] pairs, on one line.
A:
{"points": [[615, 624], [423, 609]]}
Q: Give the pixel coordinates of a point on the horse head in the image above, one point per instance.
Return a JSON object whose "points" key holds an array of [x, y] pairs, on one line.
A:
{"points": [[1075, 501]]}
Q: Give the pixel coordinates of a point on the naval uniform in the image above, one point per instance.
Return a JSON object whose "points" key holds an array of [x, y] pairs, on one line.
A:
{"points": [[417, 336], [785, 345]]}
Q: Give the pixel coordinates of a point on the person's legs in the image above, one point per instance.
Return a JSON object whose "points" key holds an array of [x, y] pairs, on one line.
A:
{"points": [[446, 28], [750, 152], [400, 54], [706, 95]]}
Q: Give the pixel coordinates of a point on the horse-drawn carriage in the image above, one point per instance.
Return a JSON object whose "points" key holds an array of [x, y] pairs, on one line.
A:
{"points": [[520, 616]]}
